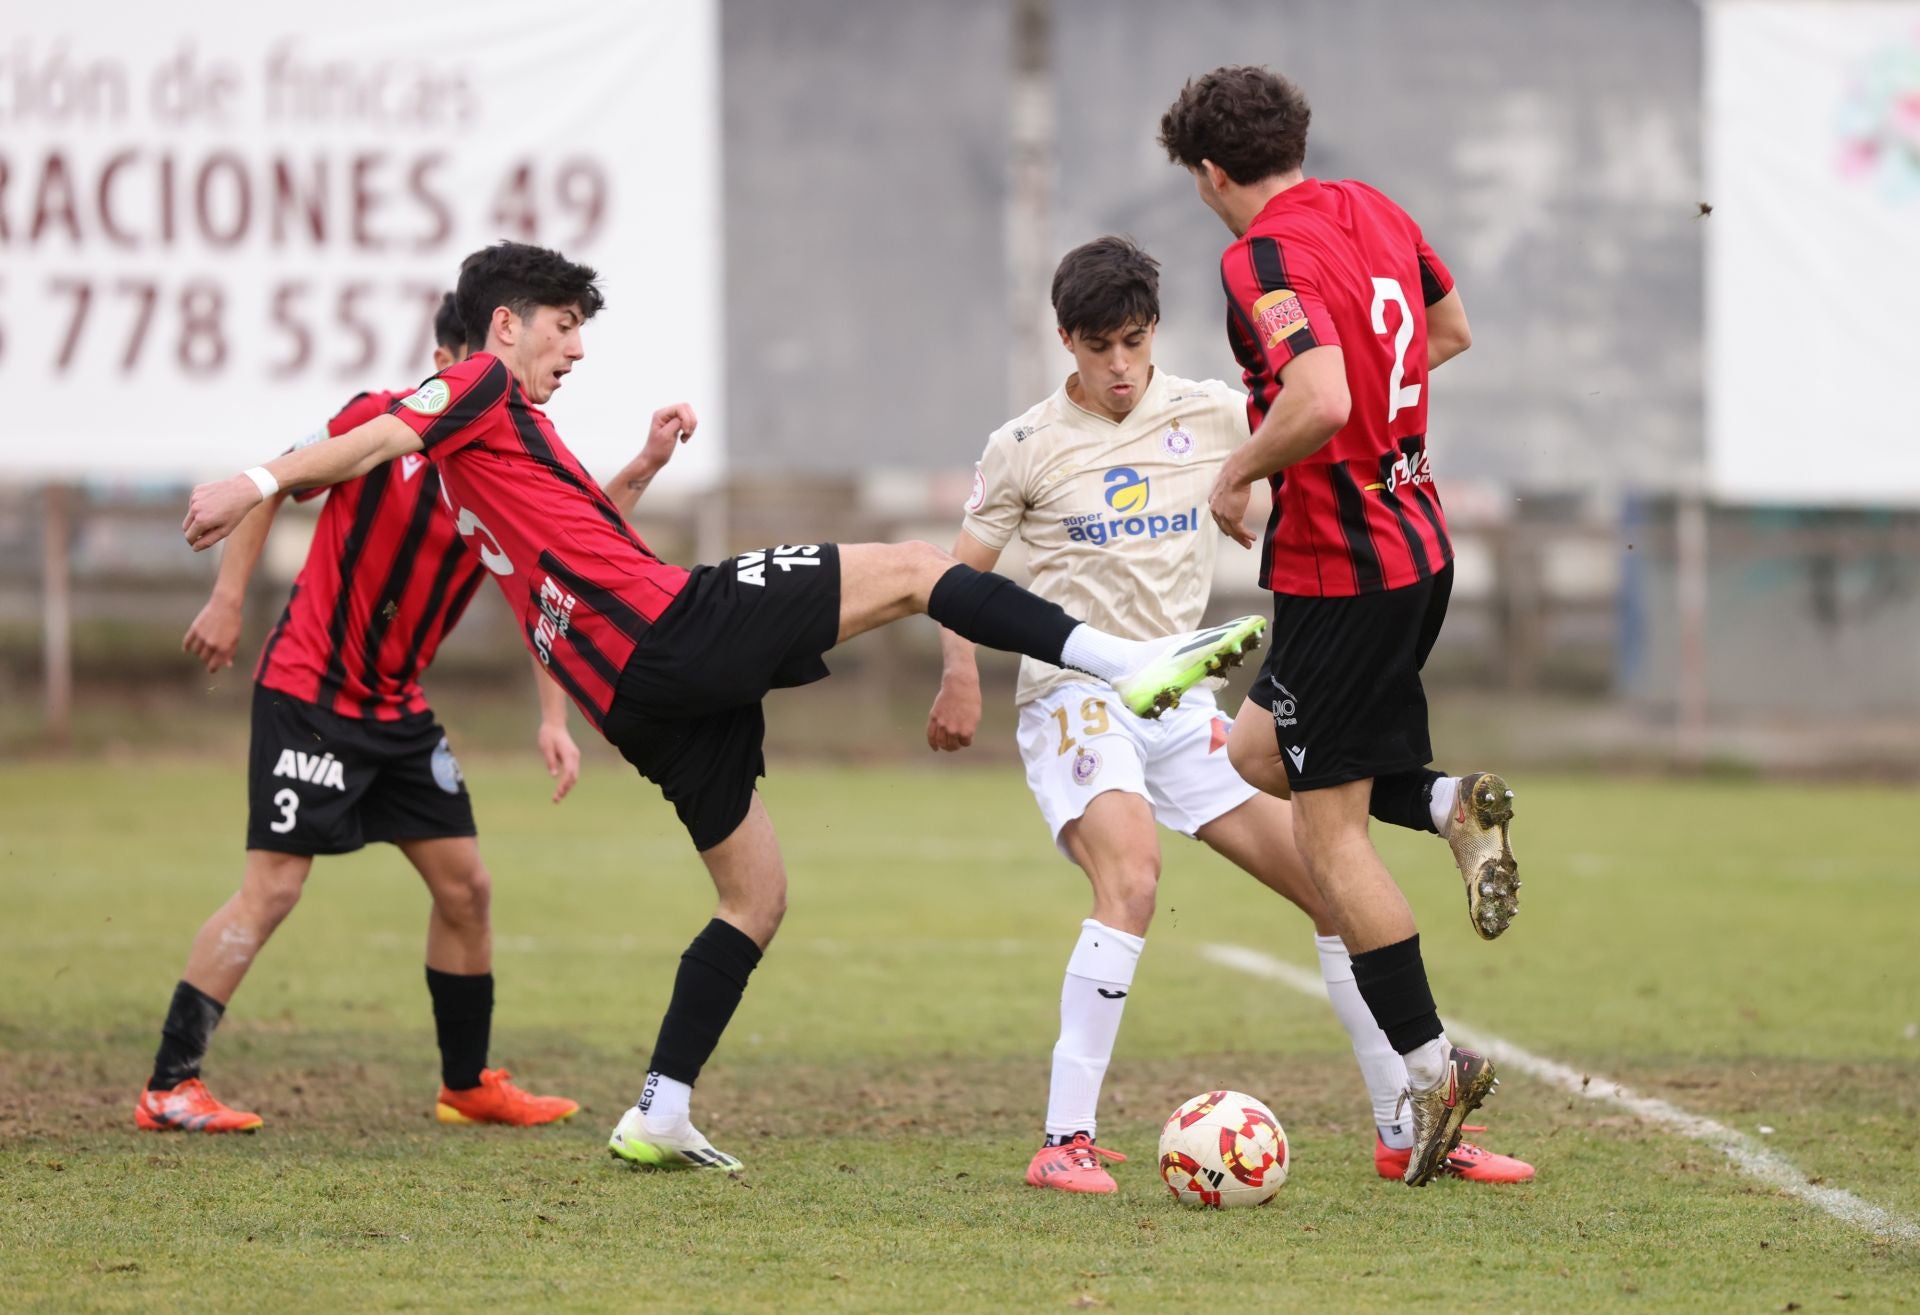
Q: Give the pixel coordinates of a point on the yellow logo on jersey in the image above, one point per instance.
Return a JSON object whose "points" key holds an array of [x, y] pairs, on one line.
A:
{"points": [[1279, 315]]}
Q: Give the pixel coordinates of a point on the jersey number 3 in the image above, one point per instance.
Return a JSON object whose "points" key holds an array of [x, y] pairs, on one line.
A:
{"points": [[1384, 291]]}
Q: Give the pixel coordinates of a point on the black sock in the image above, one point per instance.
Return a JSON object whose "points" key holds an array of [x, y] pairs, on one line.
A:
{"points": [[1062, 1139], [191, 1019], [713, 976], [992, 610], [463, 1022], [1393, 982], [1405, 799]]}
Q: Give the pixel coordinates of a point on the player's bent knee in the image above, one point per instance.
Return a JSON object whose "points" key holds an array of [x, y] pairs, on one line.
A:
{"points": [[466, 901]]}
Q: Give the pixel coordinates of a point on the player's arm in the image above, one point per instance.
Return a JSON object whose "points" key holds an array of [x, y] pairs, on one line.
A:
{"points": [[1448, 333], [956, 708], [671, 426], [215, 509], [214, 636], [1312, 406], [557, 748]]}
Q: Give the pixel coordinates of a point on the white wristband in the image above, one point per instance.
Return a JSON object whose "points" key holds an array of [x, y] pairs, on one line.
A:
{"points": [[263, 480]]}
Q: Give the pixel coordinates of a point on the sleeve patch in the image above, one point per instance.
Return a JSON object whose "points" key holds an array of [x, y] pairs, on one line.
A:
{"points": [[978, 498], [1279, 315], [429, 399]]}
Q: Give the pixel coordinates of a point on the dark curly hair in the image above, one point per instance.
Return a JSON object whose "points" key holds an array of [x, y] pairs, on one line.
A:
{"points": [[1105, 285], [521, 278], [1250, 121]]}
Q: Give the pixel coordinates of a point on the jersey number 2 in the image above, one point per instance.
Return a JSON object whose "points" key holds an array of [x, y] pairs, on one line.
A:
{"points": [[1384, 291]]}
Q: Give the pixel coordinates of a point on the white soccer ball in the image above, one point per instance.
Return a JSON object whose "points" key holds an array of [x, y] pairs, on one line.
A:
{"points": [[1221, 1149]]}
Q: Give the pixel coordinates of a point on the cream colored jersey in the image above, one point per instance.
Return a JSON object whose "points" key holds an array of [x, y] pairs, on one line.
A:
{"points": [[1114, 516]]}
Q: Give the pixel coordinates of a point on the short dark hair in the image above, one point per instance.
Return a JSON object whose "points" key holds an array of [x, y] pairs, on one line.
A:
{"points": [[448, 331], [1104, 285], [521, 277], [1250, 121]]}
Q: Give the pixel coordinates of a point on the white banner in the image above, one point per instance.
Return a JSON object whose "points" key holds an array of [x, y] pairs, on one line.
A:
{"points": [[219, 221], [1813, 251]]}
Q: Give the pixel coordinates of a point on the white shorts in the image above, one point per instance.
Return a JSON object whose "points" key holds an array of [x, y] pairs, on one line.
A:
{"points": [[1080, 741]]}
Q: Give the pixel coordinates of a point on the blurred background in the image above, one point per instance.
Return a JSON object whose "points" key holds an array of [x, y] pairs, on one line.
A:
{"points": [[1682, 460]]}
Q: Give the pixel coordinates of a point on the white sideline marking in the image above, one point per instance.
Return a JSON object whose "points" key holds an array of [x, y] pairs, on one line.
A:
{"points": [[1747, 1155]]}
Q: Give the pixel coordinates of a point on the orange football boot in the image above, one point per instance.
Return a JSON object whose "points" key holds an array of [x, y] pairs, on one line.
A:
{"points": [[1073, 1167], [497, 1100], [1476, 1164], [190, 1107]]}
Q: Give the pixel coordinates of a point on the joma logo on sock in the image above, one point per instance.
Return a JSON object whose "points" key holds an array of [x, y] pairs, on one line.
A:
{"points": [[313, 768]]}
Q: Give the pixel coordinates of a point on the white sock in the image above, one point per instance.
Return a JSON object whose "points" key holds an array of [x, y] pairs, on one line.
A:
{"points": [[1100, 654], [1446, 791], [1427, 1065], [664, 1103], [1381, 1067], [1092, 999]]}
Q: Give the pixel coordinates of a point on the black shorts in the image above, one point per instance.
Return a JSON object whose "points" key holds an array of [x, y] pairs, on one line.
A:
{"points": [[1342, 681], [687, 710], [320, 783]]}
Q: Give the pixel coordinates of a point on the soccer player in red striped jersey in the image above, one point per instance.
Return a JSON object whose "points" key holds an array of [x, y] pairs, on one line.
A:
{"points": [[346, 751], [672, 665], [1338, 310]]}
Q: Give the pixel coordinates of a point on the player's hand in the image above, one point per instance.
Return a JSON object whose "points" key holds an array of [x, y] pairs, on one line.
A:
{"points": [[1228, 503], [215, 509], [214, 636], [671, 426], [955, 716], [562, 756]]}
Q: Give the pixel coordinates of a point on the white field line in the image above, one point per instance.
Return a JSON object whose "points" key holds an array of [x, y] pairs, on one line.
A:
{"points": [[1746, 1154]]}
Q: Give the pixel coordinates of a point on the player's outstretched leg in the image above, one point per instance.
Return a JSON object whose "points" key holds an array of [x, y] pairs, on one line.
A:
{"points": [[460, 983], [884, 582], [748, 873], [175, 1099], [1474, 815]]}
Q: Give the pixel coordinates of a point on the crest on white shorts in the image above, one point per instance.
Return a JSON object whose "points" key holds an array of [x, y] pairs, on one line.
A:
{"points": [[1086, 766]]}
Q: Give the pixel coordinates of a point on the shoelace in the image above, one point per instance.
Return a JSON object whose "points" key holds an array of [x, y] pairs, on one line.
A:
{"points": [[1083, 1154]]}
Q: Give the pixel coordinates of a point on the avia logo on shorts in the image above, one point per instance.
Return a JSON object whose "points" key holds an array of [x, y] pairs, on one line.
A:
{"points": [[1127, 493], [556, 614], [1126, 490], [751, 567], [313, 768], [1417, 470]]}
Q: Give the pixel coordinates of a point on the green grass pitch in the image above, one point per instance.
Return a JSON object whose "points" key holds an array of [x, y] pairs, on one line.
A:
{"points": [[1744, 951]]}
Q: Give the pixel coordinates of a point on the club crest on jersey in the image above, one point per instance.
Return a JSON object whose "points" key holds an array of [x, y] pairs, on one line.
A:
{"points": [[1126, 490], [429, 399], [1178, 442], [1279, 315], [313, 768]]}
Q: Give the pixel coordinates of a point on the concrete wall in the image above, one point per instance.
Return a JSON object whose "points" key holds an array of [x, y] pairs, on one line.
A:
{"points": [[1551, 151]]}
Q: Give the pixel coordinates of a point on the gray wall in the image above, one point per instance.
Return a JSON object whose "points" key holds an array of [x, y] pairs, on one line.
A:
{"points": [[865, 172], [1550, 149]]}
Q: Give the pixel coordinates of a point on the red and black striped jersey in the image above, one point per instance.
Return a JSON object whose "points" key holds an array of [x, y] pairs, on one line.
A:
{"points": [[385, 578], [582, 585], [1339, 264]]}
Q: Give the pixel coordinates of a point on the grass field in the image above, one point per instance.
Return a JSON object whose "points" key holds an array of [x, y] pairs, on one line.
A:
{"points": [[1744, 951]]}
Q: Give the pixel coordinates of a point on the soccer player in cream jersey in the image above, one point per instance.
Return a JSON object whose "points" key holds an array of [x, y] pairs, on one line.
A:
{"points": [[1106, 484]]}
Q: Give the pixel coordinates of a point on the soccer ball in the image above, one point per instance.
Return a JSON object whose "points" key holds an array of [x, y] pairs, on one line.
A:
{"points": [[1223, 1149]]}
